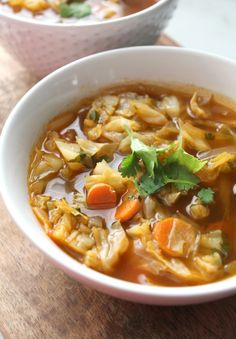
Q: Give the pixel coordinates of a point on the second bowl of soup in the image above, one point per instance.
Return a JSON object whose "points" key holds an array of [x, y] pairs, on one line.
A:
{"points": [[44, 35]]}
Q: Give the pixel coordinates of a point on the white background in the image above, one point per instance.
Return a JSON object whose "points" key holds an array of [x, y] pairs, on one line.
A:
{"points": [[208, 25]]}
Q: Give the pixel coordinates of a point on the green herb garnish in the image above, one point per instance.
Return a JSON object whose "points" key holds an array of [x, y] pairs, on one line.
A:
{"points": [[146, 153], [78, 10], [185, 159], [206, 195], [130, 166], [178, 168]]}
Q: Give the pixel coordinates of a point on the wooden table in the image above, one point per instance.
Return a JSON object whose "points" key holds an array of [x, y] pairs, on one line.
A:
{"points": [[38, 301]]}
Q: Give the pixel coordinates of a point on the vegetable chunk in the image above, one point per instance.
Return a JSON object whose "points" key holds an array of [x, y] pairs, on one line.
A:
{"points": [[101, 196], [128, 209], [175, 237]]}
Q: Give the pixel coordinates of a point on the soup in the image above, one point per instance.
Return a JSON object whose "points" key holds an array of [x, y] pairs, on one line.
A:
{"points": [[74, 11], [140, 183]]}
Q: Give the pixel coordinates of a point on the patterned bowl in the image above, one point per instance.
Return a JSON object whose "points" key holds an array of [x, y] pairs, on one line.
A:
{"points": [[43, 47]]}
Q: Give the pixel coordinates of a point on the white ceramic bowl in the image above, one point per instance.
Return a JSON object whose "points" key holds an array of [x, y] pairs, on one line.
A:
{"points": [[43, 47], [58, 92]]}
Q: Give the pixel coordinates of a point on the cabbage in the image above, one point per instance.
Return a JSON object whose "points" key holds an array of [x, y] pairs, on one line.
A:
{"points": [[92, 148], [113, 136], [76, 159], [79, 242], [103, 173], [101, 248], [210, 266], [170, 105], [194, 137], [41, 201], [65, 233], [104, 104], [62, 229], [157, 263], [168, 132], [148, 114], [160, 264], [219, 164], [95, 132], [47, 164], [147, 137], [70, 151], [38, 186], [205, 268], [63, 205], [119, 124], [216, 151], [214, 240], [196, 109], [42, 215], [125, 108], [141, 231], [110, 245]]}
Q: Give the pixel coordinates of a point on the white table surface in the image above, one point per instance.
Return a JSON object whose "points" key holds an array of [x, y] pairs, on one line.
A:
{"points": [[208, 25]]}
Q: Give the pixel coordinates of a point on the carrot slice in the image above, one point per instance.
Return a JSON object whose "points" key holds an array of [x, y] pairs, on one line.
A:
{"points": [[174, 236], [128, 209], [101, 196]]}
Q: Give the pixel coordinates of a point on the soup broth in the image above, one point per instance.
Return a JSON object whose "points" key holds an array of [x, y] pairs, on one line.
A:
{"points": [[73, 11], [140, 183]]}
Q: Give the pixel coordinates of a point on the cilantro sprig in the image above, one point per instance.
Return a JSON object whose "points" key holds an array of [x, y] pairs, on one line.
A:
{"points": [[130, 166], [76, 9], [206, 195], [178, 168]]}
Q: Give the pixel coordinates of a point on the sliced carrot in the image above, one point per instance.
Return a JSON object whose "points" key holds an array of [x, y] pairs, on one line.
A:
{"points": [[128, 209], [174, 236], [101, 196]]}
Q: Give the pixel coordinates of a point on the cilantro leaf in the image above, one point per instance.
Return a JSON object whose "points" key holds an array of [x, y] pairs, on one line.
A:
{"points": [[173, 173], [206, 195], [146, 185], [129, 166], [78, 10], [180, 176], [185, 159], [146, 153], [149, 185], [178, 168]]}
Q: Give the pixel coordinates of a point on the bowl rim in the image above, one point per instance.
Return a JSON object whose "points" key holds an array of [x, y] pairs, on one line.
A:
{"points": [[25, 20], [86, 275]]}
